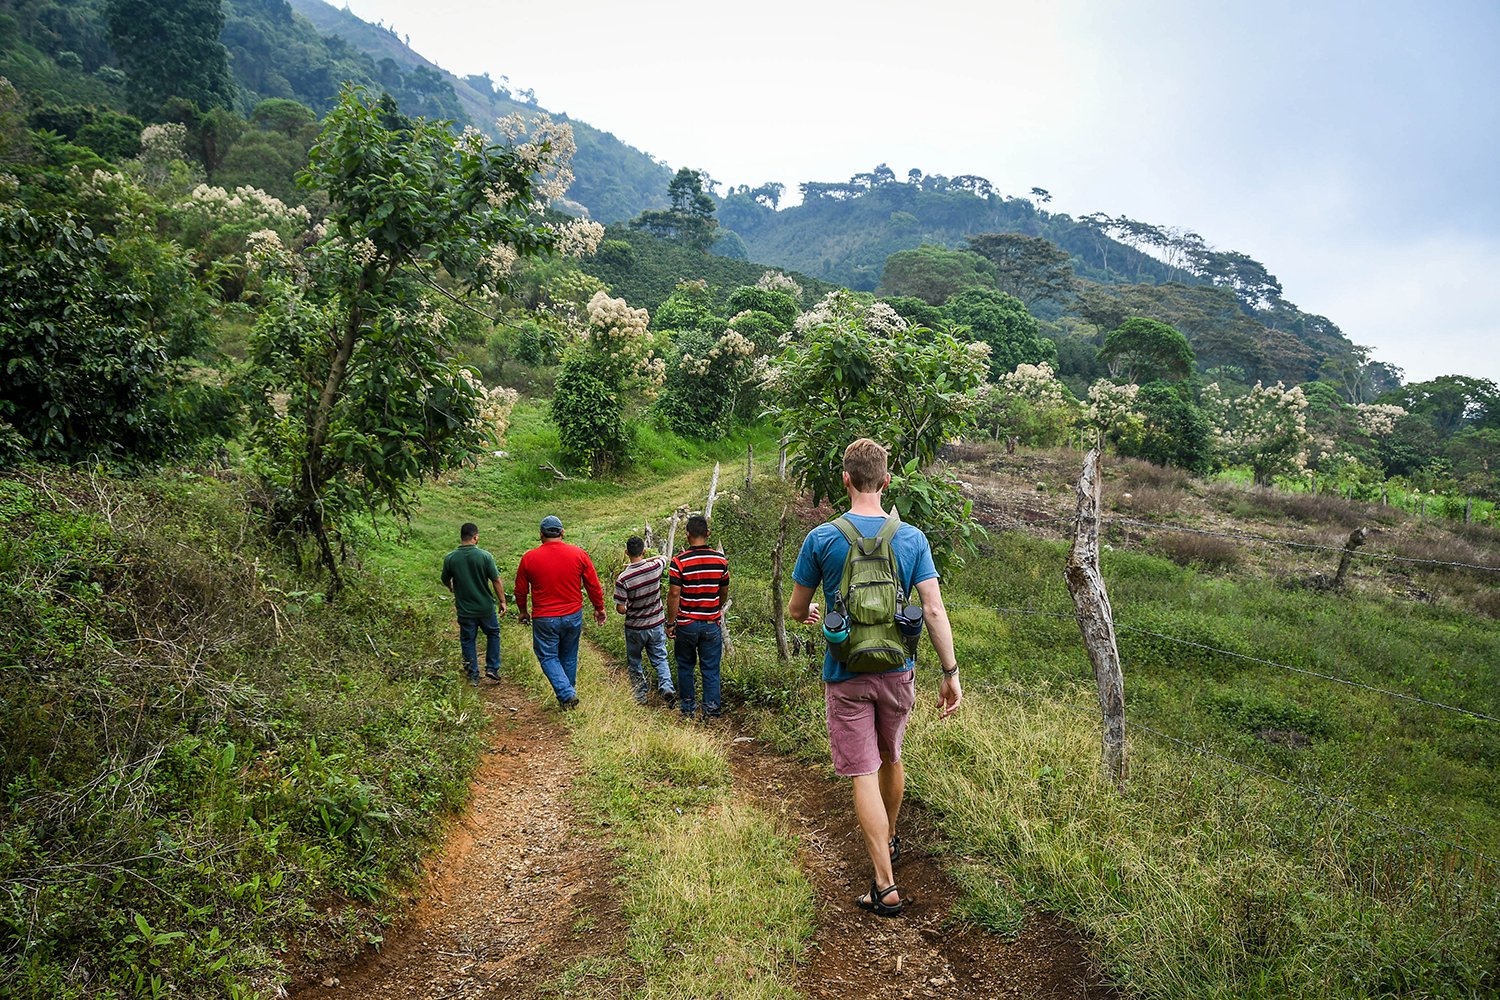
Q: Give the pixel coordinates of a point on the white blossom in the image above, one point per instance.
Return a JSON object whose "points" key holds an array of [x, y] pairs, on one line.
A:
{"points": [[579, 238], [775, 281], [1378, 419]]}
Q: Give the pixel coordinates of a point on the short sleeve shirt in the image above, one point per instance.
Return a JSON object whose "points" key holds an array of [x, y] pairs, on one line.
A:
{"points": [[639, 589], [472, 572], [700, 571], [821, 563]]}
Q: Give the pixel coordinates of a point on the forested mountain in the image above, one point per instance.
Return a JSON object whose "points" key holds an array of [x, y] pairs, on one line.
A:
{"points": [[1228, 304], [63, 53]]}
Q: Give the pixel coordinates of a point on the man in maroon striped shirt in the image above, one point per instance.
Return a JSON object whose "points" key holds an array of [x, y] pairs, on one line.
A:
{"points": [[638, 598], [697, 584]]}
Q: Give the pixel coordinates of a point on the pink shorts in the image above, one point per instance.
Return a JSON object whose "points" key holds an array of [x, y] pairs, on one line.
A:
{"points": [[867, 718]]}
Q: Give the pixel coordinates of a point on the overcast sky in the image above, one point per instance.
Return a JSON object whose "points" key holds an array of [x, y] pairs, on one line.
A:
{"points": [[1350, 147]]}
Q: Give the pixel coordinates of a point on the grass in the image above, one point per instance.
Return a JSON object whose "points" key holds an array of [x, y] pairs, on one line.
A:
{"points": [[204, 766]]}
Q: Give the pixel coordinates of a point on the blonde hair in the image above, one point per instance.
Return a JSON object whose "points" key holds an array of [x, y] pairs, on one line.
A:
{"points": [[865, 461]]}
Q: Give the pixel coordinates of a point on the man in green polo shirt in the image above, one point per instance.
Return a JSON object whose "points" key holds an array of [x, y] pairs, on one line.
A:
{"points": [[471, 574]]}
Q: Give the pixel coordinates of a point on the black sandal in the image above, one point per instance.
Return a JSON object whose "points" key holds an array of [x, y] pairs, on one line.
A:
{"points": [[895, 848], [875, 901]]}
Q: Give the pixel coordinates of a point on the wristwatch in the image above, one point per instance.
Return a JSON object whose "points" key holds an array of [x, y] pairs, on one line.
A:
{"points": [[951, 673]]}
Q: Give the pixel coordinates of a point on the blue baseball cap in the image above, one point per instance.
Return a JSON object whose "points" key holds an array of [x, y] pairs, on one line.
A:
{"points": [[552, 526]]}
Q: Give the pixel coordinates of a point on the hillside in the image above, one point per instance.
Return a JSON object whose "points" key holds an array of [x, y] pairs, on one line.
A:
{"points": [[1229, 305], [615, 181]]}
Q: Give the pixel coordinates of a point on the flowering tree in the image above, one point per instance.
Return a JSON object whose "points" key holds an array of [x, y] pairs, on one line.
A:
{"points": [[860, 371], [610, 362], [1266, 428], [1029, 403], [706, 381], [1111, 409], [357, 396]]}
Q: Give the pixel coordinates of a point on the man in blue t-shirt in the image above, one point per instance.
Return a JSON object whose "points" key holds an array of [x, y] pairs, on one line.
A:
{"points": [[867, 712]]}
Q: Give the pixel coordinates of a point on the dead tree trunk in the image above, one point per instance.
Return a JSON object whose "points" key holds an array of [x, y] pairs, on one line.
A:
{"points": [[672, 532], [781, 463], [713, 493], [1356, 539], [778, 604], [1095, 619], [724, 627]]}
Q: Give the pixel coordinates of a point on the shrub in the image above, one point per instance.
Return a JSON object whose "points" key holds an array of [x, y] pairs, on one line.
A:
{"points": [[1188, 549]]}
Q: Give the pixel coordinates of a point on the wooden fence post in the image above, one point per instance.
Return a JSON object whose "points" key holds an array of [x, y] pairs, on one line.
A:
{"points": [[1356, 539], [713, 493], [781, 463], [1469, 510], [1095, 619], [749, 464], [778, 605]]}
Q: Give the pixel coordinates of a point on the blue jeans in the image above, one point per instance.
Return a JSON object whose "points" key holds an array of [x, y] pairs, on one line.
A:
{"points": [[468, 636], [698, 644], [555, 642], [653, 641]]}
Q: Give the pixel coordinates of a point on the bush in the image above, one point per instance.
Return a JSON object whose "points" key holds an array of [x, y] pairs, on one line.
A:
{"points": [[1189, 549], [588, 412]]}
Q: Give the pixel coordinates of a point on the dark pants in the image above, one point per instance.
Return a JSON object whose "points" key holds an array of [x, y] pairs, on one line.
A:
{"points": [[468, 640], [700, 645]]}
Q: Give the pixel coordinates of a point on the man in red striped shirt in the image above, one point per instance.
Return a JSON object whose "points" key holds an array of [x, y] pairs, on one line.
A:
{"points": [[697, 584], [556, 574]]}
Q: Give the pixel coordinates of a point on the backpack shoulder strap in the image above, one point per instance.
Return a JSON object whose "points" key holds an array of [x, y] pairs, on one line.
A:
{"points": [[847, 529], [890, 527]]}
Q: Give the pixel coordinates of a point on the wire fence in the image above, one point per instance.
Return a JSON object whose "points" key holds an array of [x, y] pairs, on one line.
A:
{"points": [[1178, 640], [1026, 517], [1310, 792]]}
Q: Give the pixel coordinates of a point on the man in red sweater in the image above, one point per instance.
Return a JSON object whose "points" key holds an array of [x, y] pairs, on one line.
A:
{"points": [[555, 574]]}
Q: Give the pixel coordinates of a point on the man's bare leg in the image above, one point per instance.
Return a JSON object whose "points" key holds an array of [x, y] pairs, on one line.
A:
{"points": [[892, 789], [874, 821]]}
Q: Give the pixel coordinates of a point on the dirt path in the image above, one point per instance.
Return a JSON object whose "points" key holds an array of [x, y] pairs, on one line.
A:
{"points": [[499, 912], [855, 953], [519, 892]]}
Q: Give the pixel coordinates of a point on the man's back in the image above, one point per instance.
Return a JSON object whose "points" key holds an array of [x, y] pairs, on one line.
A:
{"points": [[820, 565], [471, 572], [701, 571], [638, 587], [556, 573]]}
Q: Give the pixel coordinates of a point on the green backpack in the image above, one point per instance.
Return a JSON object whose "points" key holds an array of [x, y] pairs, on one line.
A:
{"points": [[869, 596]]}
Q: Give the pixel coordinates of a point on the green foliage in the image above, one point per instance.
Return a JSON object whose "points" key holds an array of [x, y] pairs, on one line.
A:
{"points": [[689, 217], [645, 270], [780, 305], [705, 383], [1142, 350], [171, 50], [914, 310], [1172, 430], [691, 306], [1002, 322], [91, 337], [934, 274], [862, 372], [356, 396], [1033, 269], [235, 760], [588, 411]]}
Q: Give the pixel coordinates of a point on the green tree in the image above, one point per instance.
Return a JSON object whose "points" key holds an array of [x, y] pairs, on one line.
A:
{"points": [[1451, 402], [935, 274], [1142, 350], [1001, 321], [861, 371], [1172, 430], [1031, 268], [689, 219], [357, 394], [93, 336], [171, 50]]}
